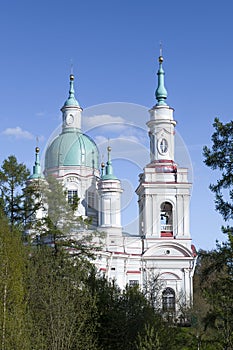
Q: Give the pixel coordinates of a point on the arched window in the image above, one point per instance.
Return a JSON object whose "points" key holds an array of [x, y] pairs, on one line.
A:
{"points": [[72, 196], [166, 219], [91, 200], [168, 299]]}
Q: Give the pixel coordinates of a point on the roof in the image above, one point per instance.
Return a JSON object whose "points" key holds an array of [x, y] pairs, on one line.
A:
{"points": [[72, 148]]}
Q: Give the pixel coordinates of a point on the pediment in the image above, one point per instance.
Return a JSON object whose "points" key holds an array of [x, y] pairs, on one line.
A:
{"points": [[168, 276], [167, 250]]}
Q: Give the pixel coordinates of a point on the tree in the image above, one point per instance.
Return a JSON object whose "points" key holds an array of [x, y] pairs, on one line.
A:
{"points": [[200, 334], [61, 226], [13, 315], [61, 308], [33, 202], [122, 315], [13, 177], [216, 285], [161, 335], [217, 282], [220, 157], [150, 341], [152, 289]]}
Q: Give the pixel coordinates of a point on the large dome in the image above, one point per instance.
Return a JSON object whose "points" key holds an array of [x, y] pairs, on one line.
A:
{"points": [[72, 148]]}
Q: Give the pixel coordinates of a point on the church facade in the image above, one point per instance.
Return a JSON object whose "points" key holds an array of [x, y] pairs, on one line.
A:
{"points": [[161, 250]]}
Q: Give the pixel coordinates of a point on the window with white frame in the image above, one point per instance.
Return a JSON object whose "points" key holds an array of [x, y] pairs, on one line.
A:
{"points": [[168, 298]]}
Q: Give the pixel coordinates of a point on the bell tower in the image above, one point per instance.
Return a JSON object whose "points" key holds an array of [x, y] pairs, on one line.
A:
{"points": [[164, 190], [163, 198]]}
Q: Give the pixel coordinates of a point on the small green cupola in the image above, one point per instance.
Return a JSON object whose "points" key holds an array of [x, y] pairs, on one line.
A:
{"points": [[161, 92], [108, 169], [109, 189], [71, 111], [71, 100], [37, 168]]}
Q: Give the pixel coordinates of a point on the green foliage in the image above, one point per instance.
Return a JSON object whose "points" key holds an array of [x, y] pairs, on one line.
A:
{"points": [[13, 319], [150, 341], [220, 157], [216, 284], [217, 265], [199, 335], [61, 308], [122, 314], [32, 201], [61, 225], [51, 298], [13, 177]]}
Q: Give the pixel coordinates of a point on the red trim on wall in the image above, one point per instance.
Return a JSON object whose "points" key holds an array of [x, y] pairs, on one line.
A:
{"points": [[133, 271], [166, 234]]}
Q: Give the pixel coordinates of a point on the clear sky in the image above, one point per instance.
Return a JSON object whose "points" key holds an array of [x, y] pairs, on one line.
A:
{"points": [[114, 47]]}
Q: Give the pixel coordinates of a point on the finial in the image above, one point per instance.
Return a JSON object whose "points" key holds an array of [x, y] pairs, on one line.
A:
{"points": [[71, 67], [161, 92], [109, 156], [37, 150], [102, 169], [108, 169], [160, 52], [109, 150], [71, 100], [160, 59], [71, 90], [160, 48], [36, 174], [71, 70]]}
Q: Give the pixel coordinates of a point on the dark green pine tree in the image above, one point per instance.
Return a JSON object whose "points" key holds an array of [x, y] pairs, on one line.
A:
{"points": [[220, 157], [13, 177], [217, 281]]}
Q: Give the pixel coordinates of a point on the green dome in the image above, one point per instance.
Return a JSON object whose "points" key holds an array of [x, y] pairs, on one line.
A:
{"points": [[72, 148]]}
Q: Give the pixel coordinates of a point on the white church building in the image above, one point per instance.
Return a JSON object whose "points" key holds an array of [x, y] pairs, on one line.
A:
{"points": [[162, 247]]}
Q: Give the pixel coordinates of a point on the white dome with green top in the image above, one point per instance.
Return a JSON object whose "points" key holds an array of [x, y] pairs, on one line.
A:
{"points": [[71, 147]]}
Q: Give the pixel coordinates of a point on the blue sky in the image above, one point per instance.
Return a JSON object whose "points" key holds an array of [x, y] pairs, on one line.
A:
{"points": [[114, 47]]}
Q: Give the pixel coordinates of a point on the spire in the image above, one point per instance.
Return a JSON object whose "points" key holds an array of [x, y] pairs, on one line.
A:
{"points": [[108, 169], [161, 92], [36, 168], [71, 101], [102, 169]]}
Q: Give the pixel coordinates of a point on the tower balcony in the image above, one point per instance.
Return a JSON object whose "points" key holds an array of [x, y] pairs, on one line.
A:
{"points": [[166, 230]]}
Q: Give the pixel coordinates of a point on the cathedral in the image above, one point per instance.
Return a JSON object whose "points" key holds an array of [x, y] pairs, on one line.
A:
{"points": [[162, 249]]}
